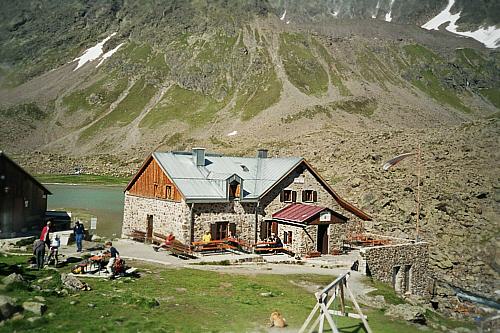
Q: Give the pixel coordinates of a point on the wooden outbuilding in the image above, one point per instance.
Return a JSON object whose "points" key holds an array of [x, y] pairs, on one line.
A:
{"points": [[23, 200]]}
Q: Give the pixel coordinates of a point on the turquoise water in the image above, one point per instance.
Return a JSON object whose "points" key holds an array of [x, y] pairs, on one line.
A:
{"points": [[103, 202]]}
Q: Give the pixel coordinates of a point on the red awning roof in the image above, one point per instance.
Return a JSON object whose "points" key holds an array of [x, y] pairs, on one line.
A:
{"points": [[298, 212]]}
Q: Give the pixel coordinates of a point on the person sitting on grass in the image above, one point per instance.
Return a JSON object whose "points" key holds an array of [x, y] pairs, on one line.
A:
{"points": [[114, 254]]}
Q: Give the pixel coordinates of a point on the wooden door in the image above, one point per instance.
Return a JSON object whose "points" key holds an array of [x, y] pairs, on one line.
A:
{"points": [[322, 242], [149, 228]]}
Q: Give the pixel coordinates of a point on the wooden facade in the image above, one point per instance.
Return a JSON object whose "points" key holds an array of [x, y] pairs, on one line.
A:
{"points": [[23, 200], [152, 182]]}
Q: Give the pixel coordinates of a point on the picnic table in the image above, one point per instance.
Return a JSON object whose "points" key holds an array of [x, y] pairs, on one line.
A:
{"points": [[217, 245], [271, 247]]}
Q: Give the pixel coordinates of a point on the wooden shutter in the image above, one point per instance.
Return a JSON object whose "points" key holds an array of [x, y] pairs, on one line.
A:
{"points": [[285, 239], [274, 227], [213, 230], [289, 237], [294, 196], [263, 229], [282, 196], [238, 191], [315, 196], [232, 228], [303, 196]]}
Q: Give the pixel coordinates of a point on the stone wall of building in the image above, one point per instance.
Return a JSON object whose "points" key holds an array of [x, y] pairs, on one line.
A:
{"points": [[242, 214], [300, 180], [404, 266], [168, 216]]}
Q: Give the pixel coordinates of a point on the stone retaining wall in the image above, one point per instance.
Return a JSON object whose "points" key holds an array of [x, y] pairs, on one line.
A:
{"points": [[404, 266]]}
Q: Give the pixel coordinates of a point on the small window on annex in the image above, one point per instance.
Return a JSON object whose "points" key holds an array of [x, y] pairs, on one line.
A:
{"points": [[288, 196], [309, 196], [287, 237]]}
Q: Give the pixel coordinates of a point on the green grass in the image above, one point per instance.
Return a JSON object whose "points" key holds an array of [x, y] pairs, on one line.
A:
{"points": [[385, 290], [191, 107], [361, 106], [126, 111], [373, 69], [82, 179], [492, 94], [183, 300], [28, 111], [336, 69], [419, 54], [301, 66], [431, 85], [96, 98], [470, 58]]}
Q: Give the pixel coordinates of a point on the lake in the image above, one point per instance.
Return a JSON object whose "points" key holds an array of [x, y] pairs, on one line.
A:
{"points": [[85, 201]]}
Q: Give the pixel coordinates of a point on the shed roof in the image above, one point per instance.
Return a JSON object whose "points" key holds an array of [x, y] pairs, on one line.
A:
{"points": [[298, 212]]}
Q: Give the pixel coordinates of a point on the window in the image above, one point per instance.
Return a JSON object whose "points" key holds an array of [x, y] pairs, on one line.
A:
{"points": [[220, 230], [309, 196], [168, 192], [266, 228], [287, 237], [288, 196], [234, 190]]}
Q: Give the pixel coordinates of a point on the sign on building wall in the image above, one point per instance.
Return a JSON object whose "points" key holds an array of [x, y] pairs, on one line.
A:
{"points": [[93, 223], [325, 216], [299, 180]]}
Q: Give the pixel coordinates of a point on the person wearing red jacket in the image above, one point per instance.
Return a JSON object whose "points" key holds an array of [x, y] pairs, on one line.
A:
{"points": [[45, 234]]}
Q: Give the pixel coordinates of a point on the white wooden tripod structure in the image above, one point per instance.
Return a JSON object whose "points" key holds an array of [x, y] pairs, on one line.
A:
{"points": [[338, 287]]}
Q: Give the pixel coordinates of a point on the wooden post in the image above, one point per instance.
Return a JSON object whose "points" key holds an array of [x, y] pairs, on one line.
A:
{"points": [[419, 162], [342, 303], [356, 305]]}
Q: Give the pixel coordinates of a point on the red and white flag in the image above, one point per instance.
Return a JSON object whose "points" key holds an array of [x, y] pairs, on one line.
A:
{"points": [[396, 160]]}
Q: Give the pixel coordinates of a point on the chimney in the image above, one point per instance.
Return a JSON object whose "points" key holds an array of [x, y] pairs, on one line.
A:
{"points": [[199, 157], [262, 153]]}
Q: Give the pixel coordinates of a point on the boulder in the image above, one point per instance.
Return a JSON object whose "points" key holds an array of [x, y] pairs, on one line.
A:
{"points": [[14, 278], [35, 307], [73, 283], [411, 313], [7, 307]]}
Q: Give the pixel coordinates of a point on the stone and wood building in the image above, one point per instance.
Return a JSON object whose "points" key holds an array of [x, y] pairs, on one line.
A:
{"points": [[190, 193], [23, 200]]}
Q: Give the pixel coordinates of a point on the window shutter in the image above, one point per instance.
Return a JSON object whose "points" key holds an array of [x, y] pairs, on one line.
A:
{"points": [[232, 228], [282, 196], [289, 237], [303, 196], [263, 230], [285, 239], [274, 227], [213, 230], [294, 196], [315, 196]]}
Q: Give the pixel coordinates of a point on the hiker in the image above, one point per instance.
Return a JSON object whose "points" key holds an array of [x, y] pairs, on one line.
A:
{"points": [[278, 242], [54, 250], [44, 236], [79, 231], [39, 252], [207, 237], [169, 240], [114, 254]]}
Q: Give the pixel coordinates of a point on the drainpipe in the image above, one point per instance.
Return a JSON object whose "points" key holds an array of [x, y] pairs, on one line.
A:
{"points": [[256, 220]]}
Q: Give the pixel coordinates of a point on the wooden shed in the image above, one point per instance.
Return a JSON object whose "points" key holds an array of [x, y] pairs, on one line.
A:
{"points": [[23, 200]]}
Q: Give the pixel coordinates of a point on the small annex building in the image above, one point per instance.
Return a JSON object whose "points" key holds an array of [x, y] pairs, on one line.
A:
{"points": [[23, 200], [190, 193]]}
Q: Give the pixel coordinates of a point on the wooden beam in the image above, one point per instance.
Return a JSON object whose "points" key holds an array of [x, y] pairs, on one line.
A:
{"points": [[346, 314], [356, 305]]}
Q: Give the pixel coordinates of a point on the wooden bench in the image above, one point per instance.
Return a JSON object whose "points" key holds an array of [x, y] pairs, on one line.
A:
{"points": [[180, 250], [275, 250], [137, 235]]}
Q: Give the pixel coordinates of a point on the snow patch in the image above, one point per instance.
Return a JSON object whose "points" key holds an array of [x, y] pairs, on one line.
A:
{"points": [[287, 22], [92, 53], [376, 10], [233, 133], [388, 17], [489, 36], [283, 16], [334, 14], [108, 54]]}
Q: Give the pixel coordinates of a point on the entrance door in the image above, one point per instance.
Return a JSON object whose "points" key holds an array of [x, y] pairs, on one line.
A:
{"points": [[149, 229], [322, 243]]}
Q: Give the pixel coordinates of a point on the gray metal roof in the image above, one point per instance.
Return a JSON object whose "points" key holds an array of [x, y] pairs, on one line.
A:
{"points": [[208, 183]]}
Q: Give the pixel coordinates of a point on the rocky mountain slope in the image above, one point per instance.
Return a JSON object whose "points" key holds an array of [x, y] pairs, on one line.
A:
{"points": [[99, 85]]}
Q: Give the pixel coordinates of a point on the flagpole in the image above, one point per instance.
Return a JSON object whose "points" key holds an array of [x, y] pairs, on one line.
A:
{"points": [[419, 160]]}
